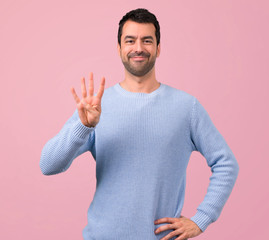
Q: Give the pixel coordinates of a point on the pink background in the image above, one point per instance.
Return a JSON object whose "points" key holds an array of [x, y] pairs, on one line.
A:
{"points": [[214, 50]]}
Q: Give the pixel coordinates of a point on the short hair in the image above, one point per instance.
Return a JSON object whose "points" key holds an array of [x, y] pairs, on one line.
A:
{"points": [[140, 15]]}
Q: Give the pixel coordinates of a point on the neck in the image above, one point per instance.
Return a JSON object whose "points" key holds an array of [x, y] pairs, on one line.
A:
{"points": [[144, 84]]}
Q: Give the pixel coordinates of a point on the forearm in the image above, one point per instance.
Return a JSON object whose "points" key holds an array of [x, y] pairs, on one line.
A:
{"points": [[59, 152], [224, 174]]}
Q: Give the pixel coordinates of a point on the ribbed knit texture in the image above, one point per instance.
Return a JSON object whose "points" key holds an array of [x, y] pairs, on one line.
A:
{"points": [[142, 145]]}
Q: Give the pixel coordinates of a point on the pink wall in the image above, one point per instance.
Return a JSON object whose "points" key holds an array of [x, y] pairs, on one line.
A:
{"points": [[214, 50]]}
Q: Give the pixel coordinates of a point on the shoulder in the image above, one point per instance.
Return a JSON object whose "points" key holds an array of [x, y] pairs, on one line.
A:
{"points": [[179, 94]]}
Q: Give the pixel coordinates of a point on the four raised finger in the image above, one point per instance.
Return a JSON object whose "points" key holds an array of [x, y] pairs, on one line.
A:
{"points": [[75, 95], [91, 89], [91, 85], [101, 88], [83, 88]]}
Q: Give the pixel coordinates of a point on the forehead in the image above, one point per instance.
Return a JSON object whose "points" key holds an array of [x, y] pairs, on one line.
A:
{"points": [[138, 29]]}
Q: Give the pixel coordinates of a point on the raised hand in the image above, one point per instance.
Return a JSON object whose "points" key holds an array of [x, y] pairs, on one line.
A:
{"points": [[89, 107]]}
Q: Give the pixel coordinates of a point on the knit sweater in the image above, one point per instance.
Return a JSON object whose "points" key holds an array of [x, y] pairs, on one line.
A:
{"points": [[142, 145]]}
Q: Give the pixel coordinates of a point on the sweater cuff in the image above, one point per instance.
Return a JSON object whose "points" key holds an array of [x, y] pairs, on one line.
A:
{"points": [[202, 220], [81, 131]]}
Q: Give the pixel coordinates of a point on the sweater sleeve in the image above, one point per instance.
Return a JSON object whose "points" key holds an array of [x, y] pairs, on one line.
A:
{"points": [[73, 139], [224, 167]]}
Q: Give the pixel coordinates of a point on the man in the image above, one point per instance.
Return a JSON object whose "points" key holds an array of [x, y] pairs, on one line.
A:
{"points": [[141, 134]]}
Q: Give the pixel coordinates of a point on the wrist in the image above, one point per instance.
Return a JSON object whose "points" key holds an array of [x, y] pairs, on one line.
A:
{"points": [[91, 125], [201, 220], [81, 130]]}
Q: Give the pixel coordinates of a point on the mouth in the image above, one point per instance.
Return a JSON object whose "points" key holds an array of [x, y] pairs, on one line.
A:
{"points": [[138, 58]]}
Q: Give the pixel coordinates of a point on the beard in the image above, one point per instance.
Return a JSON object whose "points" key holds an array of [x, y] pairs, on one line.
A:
{"points": [[139, 69]]}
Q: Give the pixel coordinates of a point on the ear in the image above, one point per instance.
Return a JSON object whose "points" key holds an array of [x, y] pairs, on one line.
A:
{"points": [[118, 46], [158, 50]]}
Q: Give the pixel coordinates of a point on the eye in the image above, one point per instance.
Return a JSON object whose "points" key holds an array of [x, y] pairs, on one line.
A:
{"points": [[147, 41], [129, 41]]}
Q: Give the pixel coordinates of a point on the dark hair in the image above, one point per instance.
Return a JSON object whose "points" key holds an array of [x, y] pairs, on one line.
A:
{"points": [[140, 15]]}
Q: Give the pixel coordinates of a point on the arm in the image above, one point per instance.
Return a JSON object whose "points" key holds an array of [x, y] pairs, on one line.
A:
{"points": [[224, 167], [77, 135], [73, 140], [209, 142]]}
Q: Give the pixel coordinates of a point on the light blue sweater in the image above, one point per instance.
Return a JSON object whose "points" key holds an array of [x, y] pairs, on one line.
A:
{"points": [[142, 145]]}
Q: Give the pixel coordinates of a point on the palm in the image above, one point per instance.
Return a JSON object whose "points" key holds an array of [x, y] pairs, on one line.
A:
{"points": [[89, 107], [95, 111]]}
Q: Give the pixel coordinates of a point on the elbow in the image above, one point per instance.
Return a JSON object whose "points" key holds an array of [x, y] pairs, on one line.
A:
{"points": [[227, 166], [236, 168], [48, 168], [233, 169], [46, 165], [46, 173], [45, 170], [43, 165]]}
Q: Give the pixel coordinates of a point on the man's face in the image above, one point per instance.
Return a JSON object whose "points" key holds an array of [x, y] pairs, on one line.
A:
{"points": [[138, 50]]}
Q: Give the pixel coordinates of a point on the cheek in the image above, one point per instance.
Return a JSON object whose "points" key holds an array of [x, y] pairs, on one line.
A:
{"points": [[125, 52]]}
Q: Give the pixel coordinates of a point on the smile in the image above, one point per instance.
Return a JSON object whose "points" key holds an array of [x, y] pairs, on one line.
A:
{"points": [[138, 58]]}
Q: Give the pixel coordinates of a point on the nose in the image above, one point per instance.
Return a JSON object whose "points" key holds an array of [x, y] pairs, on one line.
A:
{"points": [[138, 46]]}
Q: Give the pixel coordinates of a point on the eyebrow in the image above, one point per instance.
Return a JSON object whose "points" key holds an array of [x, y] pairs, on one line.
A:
{"points": [[133, 37]]}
